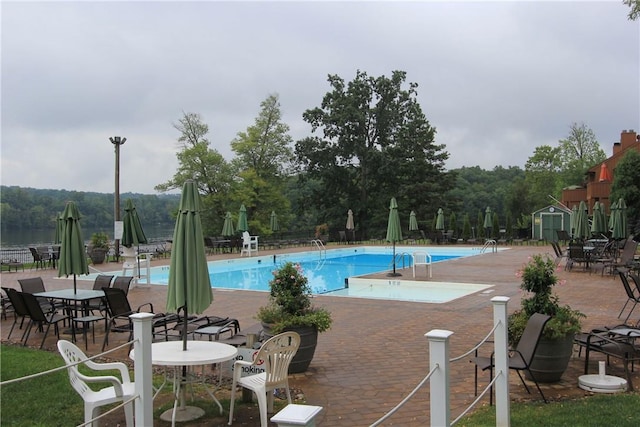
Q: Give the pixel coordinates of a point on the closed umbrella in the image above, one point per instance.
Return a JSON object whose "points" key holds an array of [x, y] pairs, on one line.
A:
{"points": [[488, 221], [599, 222], [227, 227], [394, 230], [132, 233], [73, 258], [613, 210], [413, 221], [189, 286], [242, 219], [440, 220], [273, 222], [572, 220], [350, 224], [621, 231], [59, 229], [582, 222]]}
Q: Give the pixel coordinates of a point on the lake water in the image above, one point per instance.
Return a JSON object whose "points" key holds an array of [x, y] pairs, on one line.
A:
{"points": [[26, 238]]}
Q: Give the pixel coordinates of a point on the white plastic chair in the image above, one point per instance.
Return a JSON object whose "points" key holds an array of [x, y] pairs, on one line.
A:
{"points": [[274, 357], [93, 400], [249, 244], [421, 258]]}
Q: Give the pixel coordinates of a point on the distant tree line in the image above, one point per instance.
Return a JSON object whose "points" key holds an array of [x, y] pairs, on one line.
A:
{"points": [[37, 209]]}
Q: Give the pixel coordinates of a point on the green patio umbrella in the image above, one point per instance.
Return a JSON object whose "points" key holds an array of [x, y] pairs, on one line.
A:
{"points": [[488, 221], [394, 230], [227, 227], [73, 258], [440, 220], [132, 233], [189, 286], [59, 229], [572, 220], [350, 226], [582, 230], [273, 222], [598, 222], [242, 219], [619, 230], [413, 221], [612, 214]]}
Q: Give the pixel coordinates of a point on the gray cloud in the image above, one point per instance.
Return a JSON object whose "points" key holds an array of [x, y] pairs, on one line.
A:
{"points": [[496, 79]]}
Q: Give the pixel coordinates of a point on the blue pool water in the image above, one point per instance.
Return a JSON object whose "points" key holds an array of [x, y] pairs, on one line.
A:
{"points": [[326, 272]]}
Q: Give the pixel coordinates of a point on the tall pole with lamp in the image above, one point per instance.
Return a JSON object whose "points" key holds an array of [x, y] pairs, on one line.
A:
{"points": [[117, 142]]}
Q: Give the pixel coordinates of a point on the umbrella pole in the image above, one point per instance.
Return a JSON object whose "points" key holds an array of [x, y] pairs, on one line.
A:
{"points": [[74, 284]]}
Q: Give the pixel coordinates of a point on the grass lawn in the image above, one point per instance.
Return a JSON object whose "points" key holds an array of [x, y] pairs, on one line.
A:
{"points": [[50, 401]]}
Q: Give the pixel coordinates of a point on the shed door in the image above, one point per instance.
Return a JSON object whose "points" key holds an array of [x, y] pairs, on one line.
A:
{"points": [[550, 222]]}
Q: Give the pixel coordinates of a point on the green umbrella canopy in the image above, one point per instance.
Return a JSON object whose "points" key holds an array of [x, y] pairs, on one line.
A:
{"points": [[572, 219], [394, 230], [73, 258], [413, 221], [488, 219], [273, 222], [189, 285], [440, 220], [242, 219], [582, 230], [227, 227], [132, 233], [59, 229], [620, 224], [598, 223], [612, 217]]}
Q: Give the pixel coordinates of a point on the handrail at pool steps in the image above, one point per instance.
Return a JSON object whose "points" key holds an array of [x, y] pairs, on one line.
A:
{"points": [[490, 243], [318, 243], [398, 257]]}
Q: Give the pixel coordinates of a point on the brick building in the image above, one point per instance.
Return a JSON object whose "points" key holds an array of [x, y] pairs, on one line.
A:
{"points": [[600, 177]]}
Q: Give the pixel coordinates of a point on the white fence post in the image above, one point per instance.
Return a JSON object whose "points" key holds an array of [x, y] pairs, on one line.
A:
{"points": [[501, 361], [142, 368], [439, 389]]}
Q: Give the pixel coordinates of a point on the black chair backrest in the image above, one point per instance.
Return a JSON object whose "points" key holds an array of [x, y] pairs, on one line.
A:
{"points": [[556, 249], [636, 279], [531, 336], [32, 285], [627, 286], [34, 308], [117, 302], [123, 282], [102, 281], [17, 302], [35, 254]]}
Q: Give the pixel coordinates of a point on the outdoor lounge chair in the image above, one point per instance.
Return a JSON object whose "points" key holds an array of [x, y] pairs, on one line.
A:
{"points": [[33, 285], [274, 356], [576, 255], [521, 357], [122, 389], [633, 295], [19, 309], [120, 310], [122, 282]]}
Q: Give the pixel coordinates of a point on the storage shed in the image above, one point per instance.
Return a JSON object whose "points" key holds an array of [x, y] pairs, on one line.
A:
{"points": [[547, 221]]}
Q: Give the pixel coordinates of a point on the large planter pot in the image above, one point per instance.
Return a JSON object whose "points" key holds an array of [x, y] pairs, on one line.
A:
{"points": [[308, 342], [98, 256], [551, 359]]}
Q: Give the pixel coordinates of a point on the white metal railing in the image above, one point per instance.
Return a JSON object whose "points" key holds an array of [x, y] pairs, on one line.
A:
{"points": [[439, 373], [318, 244], [143, 374], [489, 244]]}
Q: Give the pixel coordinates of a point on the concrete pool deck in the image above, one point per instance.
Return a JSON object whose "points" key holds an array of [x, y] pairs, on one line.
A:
{"points": [[376, 352]]}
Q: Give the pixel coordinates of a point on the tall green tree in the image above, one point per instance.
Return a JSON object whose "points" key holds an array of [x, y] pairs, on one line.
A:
{"points": [[542, 175], [626, 184], [634, 5], [579, 151], [264, 158], [206, 166], [372, 143]]}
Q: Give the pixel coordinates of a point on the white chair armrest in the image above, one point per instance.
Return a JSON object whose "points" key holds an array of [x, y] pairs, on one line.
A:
{"points": [[115, 382], [119, 366]]}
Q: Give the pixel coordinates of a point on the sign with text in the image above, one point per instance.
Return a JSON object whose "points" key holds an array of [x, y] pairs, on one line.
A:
{"points": [[247, 354]]}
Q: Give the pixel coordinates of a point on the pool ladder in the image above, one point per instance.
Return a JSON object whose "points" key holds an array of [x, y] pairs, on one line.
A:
{"points": [[318, 244], [397, 259], [489, 244]]}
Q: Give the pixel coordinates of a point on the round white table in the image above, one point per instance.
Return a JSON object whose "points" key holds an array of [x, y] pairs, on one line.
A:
{"points": [[170, 353]]}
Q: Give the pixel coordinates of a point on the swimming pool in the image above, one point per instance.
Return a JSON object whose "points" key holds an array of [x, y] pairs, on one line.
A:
{"points": [[335, 272]]}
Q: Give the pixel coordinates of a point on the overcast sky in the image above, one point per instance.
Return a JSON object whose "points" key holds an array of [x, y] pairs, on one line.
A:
{"points": [[496, 79]]}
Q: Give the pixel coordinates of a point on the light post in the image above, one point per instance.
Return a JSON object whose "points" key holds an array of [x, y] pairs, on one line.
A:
{"points": [[117, 142]]}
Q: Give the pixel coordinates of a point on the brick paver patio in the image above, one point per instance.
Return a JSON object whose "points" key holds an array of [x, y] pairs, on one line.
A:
{"points": [[376, 352]]}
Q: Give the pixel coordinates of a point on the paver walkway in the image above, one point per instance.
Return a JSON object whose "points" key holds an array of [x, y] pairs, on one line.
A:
{"points": [[376, 351]]}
